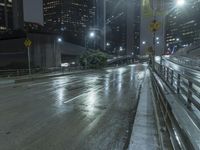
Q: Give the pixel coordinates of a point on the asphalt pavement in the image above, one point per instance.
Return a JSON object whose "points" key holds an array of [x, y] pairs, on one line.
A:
{"points": [[86, 111]]}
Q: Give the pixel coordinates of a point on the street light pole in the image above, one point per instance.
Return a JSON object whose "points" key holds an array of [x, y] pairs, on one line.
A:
{"points": [[104, 29]]}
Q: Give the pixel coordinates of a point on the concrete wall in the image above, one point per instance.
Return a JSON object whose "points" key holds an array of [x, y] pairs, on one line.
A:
{"points": [[45, 50]]}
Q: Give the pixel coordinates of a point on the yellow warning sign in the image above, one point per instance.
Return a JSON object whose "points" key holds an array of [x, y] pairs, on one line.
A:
{"points": [[154, 26], [27, 42]]}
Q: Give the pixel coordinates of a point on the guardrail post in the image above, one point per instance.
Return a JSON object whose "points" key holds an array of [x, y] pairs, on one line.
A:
{"points": [[167, 74], [172, 77], [164, 72], [178, 83], [161, 69], [189, 96]]}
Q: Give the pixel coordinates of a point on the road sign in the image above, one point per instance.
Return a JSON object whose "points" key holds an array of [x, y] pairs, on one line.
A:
{"points": [[154, 26], [27, 42], [150, 50]]}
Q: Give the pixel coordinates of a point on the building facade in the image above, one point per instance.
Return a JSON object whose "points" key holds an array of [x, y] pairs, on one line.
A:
{"points": [[116, 26], [70, 18], [133, 27], [6, 15], [11, 15], [183, 26], [122, 26]]}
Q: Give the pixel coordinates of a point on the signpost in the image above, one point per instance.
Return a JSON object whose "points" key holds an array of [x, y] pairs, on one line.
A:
{"points": [[27, 44], [154, 26]]}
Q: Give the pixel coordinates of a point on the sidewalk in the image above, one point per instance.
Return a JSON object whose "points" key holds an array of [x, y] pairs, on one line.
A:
{"points": [[144, 135], [27, 78]]}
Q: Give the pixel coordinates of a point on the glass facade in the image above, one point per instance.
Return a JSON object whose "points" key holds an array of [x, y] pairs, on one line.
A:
{"points": [[123, 26], [72, 18], [116, 26], [6, 21], [183, 26]]}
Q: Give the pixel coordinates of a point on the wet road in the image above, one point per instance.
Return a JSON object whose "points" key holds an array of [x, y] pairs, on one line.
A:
{"points": [[89, 111]]}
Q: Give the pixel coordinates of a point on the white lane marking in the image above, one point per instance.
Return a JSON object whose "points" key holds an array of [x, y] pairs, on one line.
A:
{"points": [[83, 95], [34, 84], [98, 90]]}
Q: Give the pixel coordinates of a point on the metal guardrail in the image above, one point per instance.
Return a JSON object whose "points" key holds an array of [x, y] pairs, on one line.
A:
{"points": [[189, 62], [187, 88], [166, 121], [171, 127], [177, 90]]}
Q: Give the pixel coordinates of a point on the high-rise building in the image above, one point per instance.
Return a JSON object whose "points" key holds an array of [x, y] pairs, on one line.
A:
{"points": [[133, 27], [122, 26], [18, 14], [101, 23], [6, 15], [72, 18], [183, 26], [11, 15], [116, 26]]}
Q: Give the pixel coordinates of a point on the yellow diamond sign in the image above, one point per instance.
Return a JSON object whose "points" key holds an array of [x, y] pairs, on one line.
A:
{"points": [[154, 26], [27, 42]]}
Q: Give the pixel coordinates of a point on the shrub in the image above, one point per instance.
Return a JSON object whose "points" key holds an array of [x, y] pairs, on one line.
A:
{"points": [[94, 59]]}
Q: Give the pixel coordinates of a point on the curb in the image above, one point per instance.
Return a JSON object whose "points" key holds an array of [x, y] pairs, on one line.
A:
{"points": [[48, 76], [27, 79]]}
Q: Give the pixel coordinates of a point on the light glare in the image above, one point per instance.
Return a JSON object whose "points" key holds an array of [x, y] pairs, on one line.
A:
{"points": [[180, 2]]}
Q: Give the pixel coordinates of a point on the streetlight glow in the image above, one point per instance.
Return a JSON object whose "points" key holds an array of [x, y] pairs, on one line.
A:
{"points": [[108, 44], [144, 42], [120, 48], [92, 34], [59, 39], [180, 2]]}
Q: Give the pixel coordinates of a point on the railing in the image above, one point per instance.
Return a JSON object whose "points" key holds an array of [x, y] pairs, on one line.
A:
{"points": [[189, 62], [176, 90], [183, 82]]}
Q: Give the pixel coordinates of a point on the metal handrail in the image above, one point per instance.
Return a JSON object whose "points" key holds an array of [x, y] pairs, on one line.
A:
{"points": [[181, 84], [181, 136]]}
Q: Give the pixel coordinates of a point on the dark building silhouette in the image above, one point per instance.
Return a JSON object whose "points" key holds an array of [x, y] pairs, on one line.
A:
{"points": [[6, 15], [70, 18], [122, 26], [183, 26]]}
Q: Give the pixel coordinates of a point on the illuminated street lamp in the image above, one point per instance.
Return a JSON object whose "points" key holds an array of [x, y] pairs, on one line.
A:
{"points": [[107, 44], [143, 42], [92, 34], [120, 48], [180, 2], [59, 40]]}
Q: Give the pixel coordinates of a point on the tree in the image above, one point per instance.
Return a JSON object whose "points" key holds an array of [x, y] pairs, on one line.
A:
{"points": [[94, 59]]}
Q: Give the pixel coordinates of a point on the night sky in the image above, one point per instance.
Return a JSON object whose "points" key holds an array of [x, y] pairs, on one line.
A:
{"points": [[33, 11]]}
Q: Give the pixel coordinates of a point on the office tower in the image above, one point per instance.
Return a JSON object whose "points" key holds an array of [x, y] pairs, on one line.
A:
{"points": [[6, 18], [70, 18], [183, 26]]}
